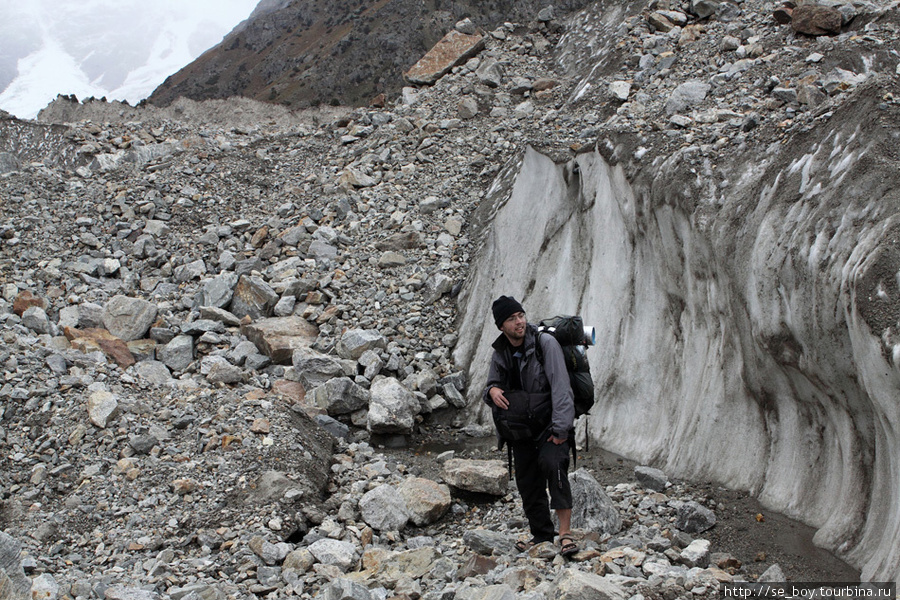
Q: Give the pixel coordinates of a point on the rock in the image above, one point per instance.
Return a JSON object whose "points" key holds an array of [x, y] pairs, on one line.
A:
{"points": [[271, 554], [573, 584], [345, 589], [686, 95], [466, 26], [313, 369], [128, 318], [334, 552], [392, 408], [484, 541], [103, 407], [44, 587], [190, 271], [593, 510], [253, 298], [694, 518], [696, 554], [91, 340], [340, 396], [121, 592], [620, 90], [35, 319], [481, 476], [467, 108], [153, 371], [773, 574], [453, 49], [280, 337], [25, 300], [219, 370], [391, 259], [816, 19], [384, 509], [14, 584], [218, 291], [489, 73], [650, 478], [426, 500], [355, 342], [177, 354]]}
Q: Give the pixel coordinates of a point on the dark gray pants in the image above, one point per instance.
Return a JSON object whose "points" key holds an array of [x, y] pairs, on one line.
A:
{"points": [[541, 467]]}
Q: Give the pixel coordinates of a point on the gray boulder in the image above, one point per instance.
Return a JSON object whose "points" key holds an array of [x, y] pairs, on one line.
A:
{"points": [[650, 478], [593, 509], [694, 518], [313, 369], [384, 509], [218, 291], [357, 341], [12, 574], [574, 584], [334, 552], [345, 589], [482, 476], [426, 500], [177, 354], [253, 298], [392, 408], [128, 318], [340, 396]]}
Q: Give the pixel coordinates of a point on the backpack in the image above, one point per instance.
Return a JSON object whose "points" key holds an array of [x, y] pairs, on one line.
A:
{"points": [[574, 339]]}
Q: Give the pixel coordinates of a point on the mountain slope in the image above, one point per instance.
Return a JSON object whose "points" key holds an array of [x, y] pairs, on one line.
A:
{"points": [[307, 52]]}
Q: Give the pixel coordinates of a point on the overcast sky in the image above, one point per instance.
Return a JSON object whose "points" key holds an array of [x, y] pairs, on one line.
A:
{"points": [[121, 49]]}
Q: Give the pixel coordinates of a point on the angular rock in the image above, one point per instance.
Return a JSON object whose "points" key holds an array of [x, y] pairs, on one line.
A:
{"points": [[489, 73], [453, 49], [222, 371], [177, 354], [686, 95], [384, 509], [487, 542], [355, 342], [218, 291], [816, 19], [128, 318], [696, 554], [271, 554], [253, 298], [14, 584], [340, 396], [190, 271], [694, 518], [153, 371], [650, 478], [313, 369], [413, 239], [426, 500], [280, 337], [35, 319], [334, 552], [103, 407], [592, 509], [467, 108], [25, 300], [91, 340], [345, 589], [392, 408], [574, 584], [481, 476], [391, 259]]}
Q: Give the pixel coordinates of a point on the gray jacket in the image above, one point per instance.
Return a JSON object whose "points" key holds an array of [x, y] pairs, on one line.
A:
{"points": [[552, 376]]}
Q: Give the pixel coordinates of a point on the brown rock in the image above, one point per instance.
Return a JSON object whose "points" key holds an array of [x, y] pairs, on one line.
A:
{"points": [[26, 300], [292, 391], [813, 19], [277, 338], [660, 22], [783, 15], [477, 565], [378, 101], [90, 340], [455, 48]]}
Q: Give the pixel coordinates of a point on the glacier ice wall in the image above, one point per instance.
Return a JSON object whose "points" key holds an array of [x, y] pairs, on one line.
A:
{"points": [[747, 310]]}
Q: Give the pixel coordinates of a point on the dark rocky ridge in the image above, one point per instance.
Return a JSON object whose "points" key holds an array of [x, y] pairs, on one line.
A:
{"points": [[308, 52]]}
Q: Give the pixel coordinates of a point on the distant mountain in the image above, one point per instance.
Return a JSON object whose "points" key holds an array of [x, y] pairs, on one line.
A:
{"points": [[308, 52], [121, 49]]}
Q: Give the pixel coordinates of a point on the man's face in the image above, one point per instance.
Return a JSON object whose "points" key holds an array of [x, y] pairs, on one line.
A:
{"points": [[514, 328]]}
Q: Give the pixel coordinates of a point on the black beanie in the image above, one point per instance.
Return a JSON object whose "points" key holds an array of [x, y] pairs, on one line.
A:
{"points": [[503, 307]]}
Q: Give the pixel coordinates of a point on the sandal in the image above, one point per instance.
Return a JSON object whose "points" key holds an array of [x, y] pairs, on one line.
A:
{"points": [[567, 545], [525, 545]]}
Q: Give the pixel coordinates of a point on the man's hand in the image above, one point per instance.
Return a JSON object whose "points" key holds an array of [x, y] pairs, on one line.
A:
{"points": [[557, 440], [498, 398]]}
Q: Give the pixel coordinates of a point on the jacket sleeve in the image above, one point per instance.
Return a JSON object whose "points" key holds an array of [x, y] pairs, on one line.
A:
{"points": [[561, 390], [496, 377]]}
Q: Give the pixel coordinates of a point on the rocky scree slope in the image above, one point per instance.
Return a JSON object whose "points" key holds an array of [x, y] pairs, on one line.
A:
{"points": [[309, 52], [359, 225]]}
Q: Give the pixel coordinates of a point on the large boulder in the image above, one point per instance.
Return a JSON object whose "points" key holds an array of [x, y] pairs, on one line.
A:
{"points": [[593, 509], [481, 476], [279, 337], [426, 500], [357, 341], [340, 396], [253, 298], [384, 509], [453, 49], [393, 408], [313, 369], [574, 584], [128, 318]]}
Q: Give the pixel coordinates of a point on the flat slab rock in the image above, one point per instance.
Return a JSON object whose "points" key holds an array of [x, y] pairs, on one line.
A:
{"points": [[453, 49], [278, 337]]}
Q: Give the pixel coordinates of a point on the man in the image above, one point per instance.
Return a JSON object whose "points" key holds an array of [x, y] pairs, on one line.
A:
{"points": [[542, 459]]}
